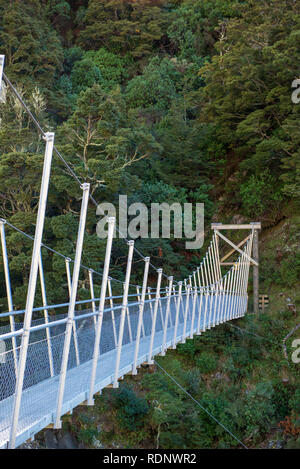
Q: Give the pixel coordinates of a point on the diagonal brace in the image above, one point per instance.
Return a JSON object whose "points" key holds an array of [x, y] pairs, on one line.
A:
{"points": [[232, 251], [236, 248]]}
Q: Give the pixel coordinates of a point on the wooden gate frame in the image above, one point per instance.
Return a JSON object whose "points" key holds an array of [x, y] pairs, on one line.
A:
{"points": [[254, 260]]}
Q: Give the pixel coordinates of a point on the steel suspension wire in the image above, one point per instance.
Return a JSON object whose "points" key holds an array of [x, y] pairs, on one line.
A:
{"points": [[259, 336], [201, 406], [59, 253]]}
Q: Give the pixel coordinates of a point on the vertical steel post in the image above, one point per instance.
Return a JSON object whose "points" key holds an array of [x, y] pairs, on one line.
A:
{"points": [[177, 314], [141, 312], [218, 255], [210, 289], [248, 269], [67, 261], [191, 291], [207, 299], [238, 271], [128, 317], [139, 300], [241, 280], [245, 286], [233, 289], [46, 316], [49, 137], [237, 286], [2, 57], [8, 290], [227, 276], [198, 275], [105, 281], [185, 289], [233, 272], [123, 312], [163, 351], [214, 257], [193, 311], [175, 297], [91, 282], [71, 310], [223, 298], [161, 313], [195, 281], [229, 294], [111, 302], [200, 303], [240, 286], [150, 304], [74, 326], [208, 260], [197, 303], [217, 308], [157, 297], [205, 292], [218, 279], [187, 305]]}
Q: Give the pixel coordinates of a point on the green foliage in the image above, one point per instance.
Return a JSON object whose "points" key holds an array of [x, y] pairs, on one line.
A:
{"points": [[131, 408], [253, 195], [206, 362], [260, 409], [197, 25], [247, 97], [156, 88], [32, 48], [124, 26], [84, 75], [112, 66]]}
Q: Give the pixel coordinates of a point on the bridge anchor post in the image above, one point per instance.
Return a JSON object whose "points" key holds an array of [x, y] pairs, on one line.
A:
{"points": [[49, 137]]}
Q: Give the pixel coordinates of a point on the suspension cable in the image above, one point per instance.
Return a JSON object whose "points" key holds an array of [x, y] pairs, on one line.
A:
{"points": [[198, 403], [59, 253]]}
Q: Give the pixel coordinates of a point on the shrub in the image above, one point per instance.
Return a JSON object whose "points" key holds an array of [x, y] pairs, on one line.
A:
{"points": [[131, 408], [206, 362]]}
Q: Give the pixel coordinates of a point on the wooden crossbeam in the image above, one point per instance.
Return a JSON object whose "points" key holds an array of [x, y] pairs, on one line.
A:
{"points": [[220, 226]]}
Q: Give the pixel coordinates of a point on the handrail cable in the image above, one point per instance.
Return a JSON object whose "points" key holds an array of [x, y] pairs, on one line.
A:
{"points": [[201, 406]]}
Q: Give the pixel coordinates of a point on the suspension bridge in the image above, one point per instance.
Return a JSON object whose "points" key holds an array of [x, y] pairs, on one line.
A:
{"points": [[56, 356]]}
